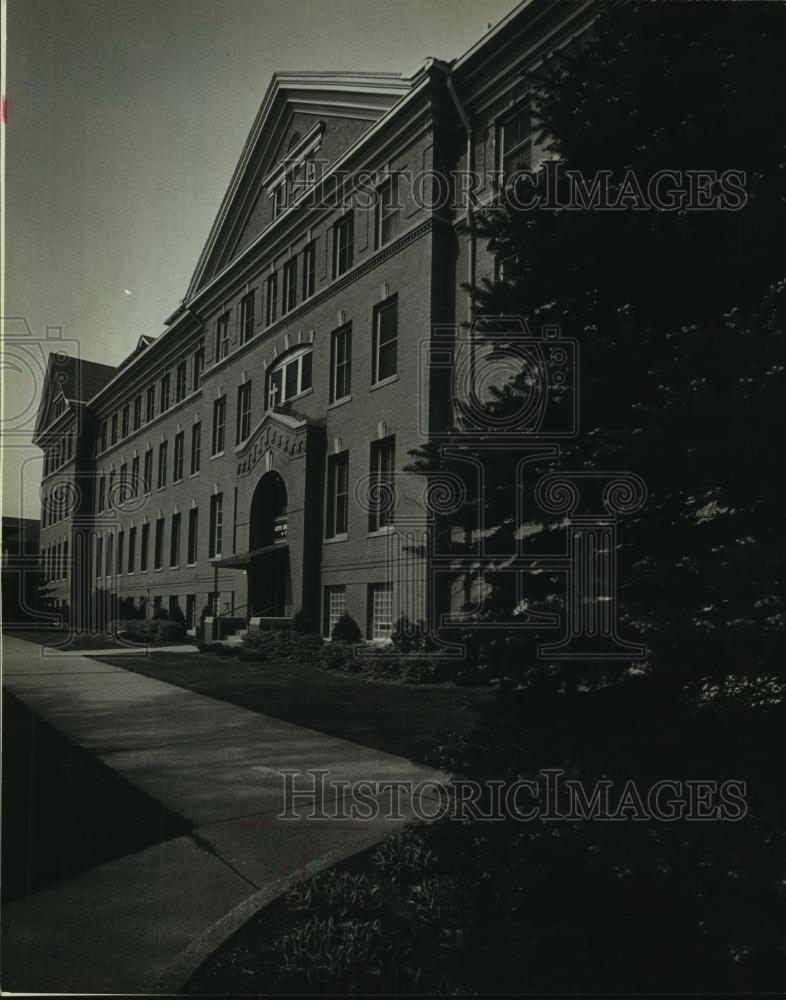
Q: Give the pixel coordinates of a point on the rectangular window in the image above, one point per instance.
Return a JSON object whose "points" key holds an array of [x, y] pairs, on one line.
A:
{"points": [[114, 428], [123, 495], [121, 546], [196, 448], [148, 476], [385, 340], [216, 525], [382, 461], [173, 605], [380, 608], [65, 560], [199, 364], [516, 143], [177, 471], [131, 550], [388, 211], [190, 610], [150, 404], [247, 305], [289, 300], [135, 476], [104, 443], [164, 394], [156, 603], [343, 244], [271, 298], [222, 337], [180, 382], [219, 424], [110, 555], [335, 607], [162, 460], [144, 545], [341, 363], [338, 494], [137, 412], [158, 552], [309, 269], [193, 535], [101, 493], [111, 498], [99, 557], [126, 421], [243, 412], [174, 541]]}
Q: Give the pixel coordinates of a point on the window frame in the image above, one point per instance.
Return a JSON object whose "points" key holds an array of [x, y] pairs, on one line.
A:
{"points": [[243, 414], [289, 286], [178, 457], [382, 472], [337, 505], [345, 225], [218, 442], [344, 331], [385, 213], [380, 309], [196, 448], [247, 316]]}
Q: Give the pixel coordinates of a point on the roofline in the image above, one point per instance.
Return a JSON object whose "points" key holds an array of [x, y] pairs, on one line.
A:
{"points": [[411, 87], [492, 34]]}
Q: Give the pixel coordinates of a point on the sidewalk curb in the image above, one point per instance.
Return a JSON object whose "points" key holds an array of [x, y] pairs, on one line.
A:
{"points": [[184, 965]]}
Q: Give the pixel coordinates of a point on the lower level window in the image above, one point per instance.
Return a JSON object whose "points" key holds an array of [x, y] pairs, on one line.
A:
{"points": [[380, 610], [335, 606]]}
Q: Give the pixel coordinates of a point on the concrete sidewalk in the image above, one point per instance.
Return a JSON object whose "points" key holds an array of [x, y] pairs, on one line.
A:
{"points": [[133, 924]]}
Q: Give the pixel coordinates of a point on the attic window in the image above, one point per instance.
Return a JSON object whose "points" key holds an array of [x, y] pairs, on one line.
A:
{"points": [[296, 171]]}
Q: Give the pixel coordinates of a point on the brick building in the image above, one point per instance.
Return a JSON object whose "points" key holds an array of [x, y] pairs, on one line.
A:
{"points": [[250, 456]]}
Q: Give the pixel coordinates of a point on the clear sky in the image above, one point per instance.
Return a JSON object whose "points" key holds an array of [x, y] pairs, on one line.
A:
{"points": [[125, 121]]}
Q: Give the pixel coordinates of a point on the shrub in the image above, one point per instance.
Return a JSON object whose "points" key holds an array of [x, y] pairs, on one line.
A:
{"points": [[170, 631], [325, 950], [336, 893], [346, 629], [404, 857], [177, 615], [408, 637], [286, 645], [160, 615], [303, 623]]}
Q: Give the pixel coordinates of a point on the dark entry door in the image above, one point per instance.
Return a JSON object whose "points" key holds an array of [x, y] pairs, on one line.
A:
{"points": [[269, 583]]}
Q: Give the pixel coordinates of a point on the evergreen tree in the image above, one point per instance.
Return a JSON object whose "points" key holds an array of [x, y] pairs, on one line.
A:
{"points": [[680, 318]]}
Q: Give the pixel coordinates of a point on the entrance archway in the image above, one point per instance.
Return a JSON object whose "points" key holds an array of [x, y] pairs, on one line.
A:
{"points": [[269, 582]]}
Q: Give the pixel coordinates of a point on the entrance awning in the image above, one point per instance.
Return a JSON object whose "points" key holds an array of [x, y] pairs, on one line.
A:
{"points": [[244, 559]]}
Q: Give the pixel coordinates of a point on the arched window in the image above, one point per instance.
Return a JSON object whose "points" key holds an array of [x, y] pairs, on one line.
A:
{"points": [[289, 377]]}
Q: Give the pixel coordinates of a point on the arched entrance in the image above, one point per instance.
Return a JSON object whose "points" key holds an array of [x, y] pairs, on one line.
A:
{"points": [[269, 581]]}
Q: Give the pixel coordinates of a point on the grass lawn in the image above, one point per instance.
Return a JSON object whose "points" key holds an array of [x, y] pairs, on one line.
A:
{"points": [[63, 810], [409, 720]]}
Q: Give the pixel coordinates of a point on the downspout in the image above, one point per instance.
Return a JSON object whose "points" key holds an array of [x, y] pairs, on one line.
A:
{"points": [[470, 214]]}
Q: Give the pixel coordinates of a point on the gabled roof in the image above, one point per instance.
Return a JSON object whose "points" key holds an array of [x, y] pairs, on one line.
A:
{"points": [[361, 96], [75, 379]]}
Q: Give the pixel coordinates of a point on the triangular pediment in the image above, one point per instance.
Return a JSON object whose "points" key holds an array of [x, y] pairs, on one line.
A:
{"points": [[68, 384], [316, 114]]}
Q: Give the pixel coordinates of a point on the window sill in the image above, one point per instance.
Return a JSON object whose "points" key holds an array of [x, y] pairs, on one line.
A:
{"points": [[176, 481], [193, 475], [218, 454], [190, 565], [337, 538], [383, 382], [340, 402], [387, 530]]}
